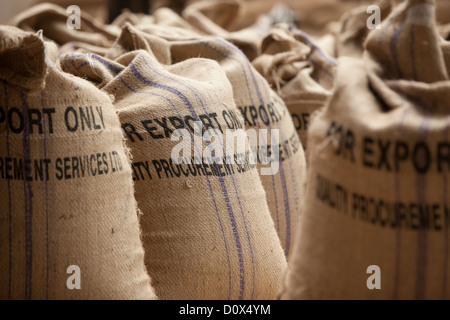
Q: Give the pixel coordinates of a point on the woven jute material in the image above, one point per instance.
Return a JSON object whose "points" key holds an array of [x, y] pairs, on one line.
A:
{"points": [[207, 230], [262, 109], [377, 210], [66, 189]]}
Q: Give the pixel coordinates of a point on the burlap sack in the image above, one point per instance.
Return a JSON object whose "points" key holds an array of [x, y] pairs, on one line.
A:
{"points": [[164, 23], [301, 73], [207, 230], [352, 31], [66, 189], [52, 20], [262, 108], [213, 16], [377, 206], [167, 25]]}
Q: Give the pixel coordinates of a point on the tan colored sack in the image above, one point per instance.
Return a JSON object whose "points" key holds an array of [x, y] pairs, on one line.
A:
{"points": [[262, 108], [207, 230], [213, 16], [257, 102], [52, 20], [299, 70], [164, 23], [377, 210], [66, 189], [168, 25]]}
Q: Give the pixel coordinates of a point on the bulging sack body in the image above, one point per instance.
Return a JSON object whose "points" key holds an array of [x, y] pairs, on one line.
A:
{"points": [[377, 212], [207, 230], [299, 70], [262, 109], [68, 217]]}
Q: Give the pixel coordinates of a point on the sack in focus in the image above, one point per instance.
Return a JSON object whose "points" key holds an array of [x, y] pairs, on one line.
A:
{"points": [[207, 230], [69, 222], [377, 206]]}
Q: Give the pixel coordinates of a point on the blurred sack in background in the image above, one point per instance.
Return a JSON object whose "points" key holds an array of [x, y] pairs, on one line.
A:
{"points": [[377, 189], [299, 71]]}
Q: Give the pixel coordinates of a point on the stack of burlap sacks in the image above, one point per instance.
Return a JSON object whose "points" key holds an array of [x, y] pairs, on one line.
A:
{"points": [[90, 118]]}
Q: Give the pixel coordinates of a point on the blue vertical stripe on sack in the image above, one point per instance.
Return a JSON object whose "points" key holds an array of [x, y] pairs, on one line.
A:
{"points": [[398, 231], [224, 190], [197, 95], [394, 54], [287, 210], [28, 199], [209, 45]]}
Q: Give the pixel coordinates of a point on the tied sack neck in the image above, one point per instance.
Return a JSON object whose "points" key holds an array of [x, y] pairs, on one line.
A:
{"points": [[407, 58], [22, 59], [132, 39]]}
